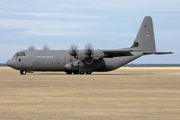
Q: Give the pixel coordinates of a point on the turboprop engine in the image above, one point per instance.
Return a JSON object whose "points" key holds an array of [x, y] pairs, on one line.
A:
{"points": [[70, 67]]}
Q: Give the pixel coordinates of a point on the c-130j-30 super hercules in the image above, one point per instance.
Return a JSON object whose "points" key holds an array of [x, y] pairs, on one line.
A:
{"points": [[87, 60]]}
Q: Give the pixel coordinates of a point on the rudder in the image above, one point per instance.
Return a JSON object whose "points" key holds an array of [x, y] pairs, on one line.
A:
{"points": [[145, 37]]}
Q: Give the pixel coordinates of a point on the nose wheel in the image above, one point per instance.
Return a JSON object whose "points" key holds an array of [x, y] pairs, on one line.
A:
{"points": [[23, 72]]}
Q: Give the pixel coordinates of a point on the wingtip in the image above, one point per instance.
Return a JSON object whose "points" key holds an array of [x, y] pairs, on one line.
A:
{"points": [[171, 53]]}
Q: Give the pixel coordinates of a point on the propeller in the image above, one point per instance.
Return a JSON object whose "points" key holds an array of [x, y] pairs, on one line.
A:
{"points": [[45, 47], [73, 51], [89, 53], [31, 47], [73, 54]]}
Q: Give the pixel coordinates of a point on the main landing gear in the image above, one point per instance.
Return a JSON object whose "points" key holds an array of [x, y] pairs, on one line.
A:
{"points": [[81, 73], [69, 72], [76, 72], [23, 72], [88, 73]]}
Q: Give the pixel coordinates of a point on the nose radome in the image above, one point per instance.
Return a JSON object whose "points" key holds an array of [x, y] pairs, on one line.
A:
{"points": [[8, 63], [11, 63]]}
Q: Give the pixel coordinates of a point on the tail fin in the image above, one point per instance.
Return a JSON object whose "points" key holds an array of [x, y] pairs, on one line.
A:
{"points": [[145, 37]]}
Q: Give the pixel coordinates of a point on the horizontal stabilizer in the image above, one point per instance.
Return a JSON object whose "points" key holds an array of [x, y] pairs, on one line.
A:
{"points": [[157, 53]]}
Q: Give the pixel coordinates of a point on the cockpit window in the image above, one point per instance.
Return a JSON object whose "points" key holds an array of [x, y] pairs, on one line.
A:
{"points": [[15, 56], [21, 54]]}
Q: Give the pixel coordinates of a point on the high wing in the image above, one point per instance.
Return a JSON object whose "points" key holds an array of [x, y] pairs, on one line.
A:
{"points": [[97, 54], [119, 52], [128, 52]]}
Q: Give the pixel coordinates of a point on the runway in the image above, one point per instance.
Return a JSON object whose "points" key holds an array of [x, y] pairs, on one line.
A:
{"points": [[137, 93]]}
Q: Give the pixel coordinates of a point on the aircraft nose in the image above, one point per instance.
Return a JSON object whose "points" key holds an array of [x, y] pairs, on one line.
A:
{"points": [[8, 63], [11, 63]]}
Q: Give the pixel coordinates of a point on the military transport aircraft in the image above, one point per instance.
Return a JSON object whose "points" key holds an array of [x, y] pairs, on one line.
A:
{"points": [[88, 60]]}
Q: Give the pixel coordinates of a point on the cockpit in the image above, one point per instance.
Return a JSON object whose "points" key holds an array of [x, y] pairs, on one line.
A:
{"points": [[19, 54]]}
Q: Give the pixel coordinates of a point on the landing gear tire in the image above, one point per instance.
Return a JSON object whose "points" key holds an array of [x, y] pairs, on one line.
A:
{"points": [[69, 72], [88, 73], [81, 73], [23, 72], [76, 72]]}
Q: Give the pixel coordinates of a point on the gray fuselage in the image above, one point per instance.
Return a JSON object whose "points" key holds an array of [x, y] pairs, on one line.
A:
{"points": [[57, 60]]}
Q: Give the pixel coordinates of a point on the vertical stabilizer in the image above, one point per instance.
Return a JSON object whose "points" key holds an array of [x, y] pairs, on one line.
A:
{"points": [[145, 37]]}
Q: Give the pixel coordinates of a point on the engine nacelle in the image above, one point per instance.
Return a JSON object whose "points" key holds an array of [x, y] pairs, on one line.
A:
{"points": [[70, 67]]}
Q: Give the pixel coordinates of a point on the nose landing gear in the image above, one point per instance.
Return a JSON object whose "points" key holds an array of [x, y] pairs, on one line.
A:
{"points": [[23, 72]]}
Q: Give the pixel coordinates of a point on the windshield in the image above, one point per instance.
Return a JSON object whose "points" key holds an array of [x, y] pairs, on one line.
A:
{"points": [[20, 54]]}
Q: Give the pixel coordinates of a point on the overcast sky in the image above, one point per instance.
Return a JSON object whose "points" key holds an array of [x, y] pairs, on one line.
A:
{"points": [[105, 24]]}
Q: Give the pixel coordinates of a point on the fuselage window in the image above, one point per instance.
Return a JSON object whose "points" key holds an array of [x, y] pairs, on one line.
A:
{"points": [[22, 54], [19, 59]]}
